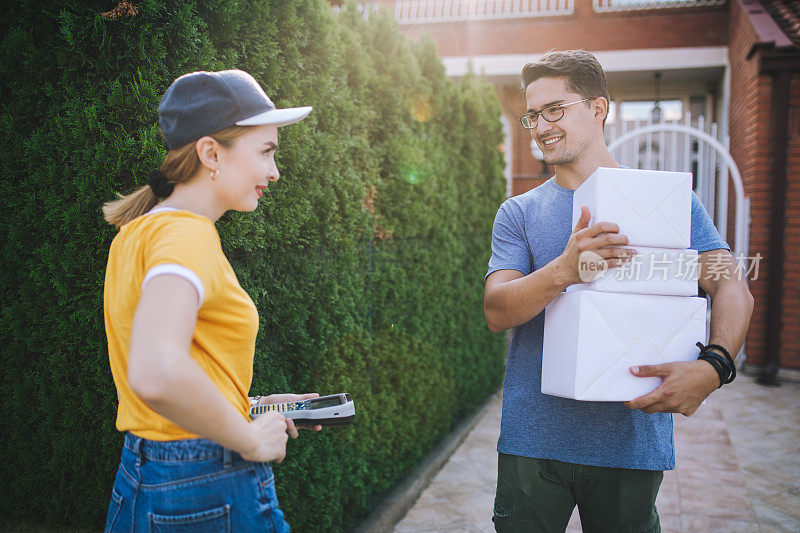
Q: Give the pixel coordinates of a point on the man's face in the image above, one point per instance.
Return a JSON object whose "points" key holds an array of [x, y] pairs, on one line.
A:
{"points": [[565, 140]]}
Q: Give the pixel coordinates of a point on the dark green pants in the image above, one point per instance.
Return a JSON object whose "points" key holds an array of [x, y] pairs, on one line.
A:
{"points": [[538, 495]]}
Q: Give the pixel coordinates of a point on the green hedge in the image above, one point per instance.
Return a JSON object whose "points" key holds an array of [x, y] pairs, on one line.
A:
{"points": [[366, 260]]}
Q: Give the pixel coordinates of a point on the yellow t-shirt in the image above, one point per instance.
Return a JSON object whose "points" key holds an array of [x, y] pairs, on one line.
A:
{"points": [[167, 241]]}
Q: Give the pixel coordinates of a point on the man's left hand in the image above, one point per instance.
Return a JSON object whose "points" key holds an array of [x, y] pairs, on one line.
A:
{"points": [[686, 384]]}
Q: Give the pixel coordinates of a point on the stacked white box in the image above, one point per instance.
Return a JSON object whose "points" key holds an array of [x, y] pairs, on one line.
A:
{"points": [[602, 334], [642, 313]]}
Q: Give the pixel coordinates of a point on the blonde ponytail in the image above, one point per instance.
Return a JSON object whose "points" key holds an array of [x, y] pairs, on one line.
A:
{"points": [[121, 211], [179, 166]]}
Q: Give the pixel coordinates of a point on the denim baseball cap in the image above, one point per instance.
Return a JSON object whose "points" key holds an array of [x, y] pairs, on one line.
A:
{"points": [[202, 103]]}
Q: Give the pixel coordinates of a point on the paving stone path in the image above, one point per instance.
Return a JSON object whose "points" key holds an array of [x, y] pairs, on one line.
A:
{"points": [[738, 470]]}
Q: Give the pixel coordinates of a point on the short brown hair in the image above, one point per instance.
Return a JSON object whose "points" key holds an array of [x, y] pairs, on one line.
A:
{"points": [[581, 69]]}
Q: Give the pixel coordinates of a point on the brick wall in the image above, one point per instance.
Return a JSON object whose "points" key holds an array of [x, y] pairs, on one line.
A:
{"points": [[662, 28], [790, 339], [752, 146]]}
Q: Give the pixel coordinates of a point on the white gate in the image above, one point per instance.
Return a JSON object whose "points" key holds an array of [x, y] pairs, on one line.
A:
{"points": [[688, 148]]}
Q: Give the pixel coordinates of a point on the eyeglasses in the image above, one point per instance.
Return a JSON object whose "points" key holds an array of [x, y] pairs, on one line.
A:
{"points": [[550, 114]]}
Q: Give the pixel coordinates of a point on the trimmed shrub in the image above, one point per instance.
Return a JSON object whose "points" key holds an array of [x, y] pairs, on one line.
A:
{"points": [[366, 260]]}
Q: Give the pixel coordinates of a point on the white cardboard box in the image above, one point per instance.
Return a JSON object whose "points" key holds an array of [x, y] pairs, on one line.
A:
{"points": [[651, 207], [651, 271], [591, 339]]}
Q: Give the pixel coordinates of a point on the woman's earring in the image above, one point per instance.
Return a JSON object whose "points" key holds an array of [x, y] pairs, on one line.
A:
{"points": [[214, 174]]}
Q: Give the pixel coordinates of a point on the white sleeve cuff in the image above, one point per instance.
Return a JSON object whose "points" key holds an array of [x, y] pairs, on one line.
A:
{"points": [[180, 271]]}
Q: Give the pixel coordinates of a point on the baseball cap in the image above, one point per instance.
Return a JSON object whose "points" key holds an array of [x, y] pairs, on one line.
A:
{"points": [[201, 103]]}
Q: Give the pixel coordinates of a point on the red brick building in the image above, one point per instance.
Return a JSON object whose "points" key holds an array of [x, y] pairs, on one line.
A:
{"points": [[733, 63]]}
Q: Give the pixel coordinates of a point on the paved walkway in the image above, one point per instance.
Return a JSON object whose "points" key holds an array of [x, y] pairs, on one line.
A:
{"points": [[738, 470]]}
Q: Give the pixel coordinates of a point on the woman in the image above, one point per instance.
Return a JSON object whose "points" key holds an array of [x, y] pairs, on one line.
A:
{"points": [[181, 331]]}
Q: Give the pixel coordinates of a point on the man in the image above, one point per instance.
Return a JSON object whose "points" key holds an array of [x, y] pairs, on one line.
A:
{"points": [[554, 453]]}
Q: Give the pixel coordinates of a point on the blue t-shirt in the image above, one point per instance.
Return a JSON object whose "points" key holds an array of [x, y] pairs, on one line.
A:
{"points": [[530, 230]]}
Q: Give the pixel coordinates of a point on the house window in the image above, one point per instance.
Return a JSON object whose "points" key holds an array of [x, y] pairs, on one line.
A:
{"points": [[670, 110]]}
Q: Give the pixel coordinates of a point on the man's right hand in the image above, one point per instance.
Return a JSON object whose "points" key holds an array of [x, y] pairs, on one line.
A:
{"points": [[512, 298], [602, 239], [270, 433]]}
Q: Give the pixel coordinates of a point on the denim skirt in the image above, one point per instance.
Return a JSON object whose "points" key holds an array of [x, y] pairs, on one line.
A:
{"points": [[191, 485]]}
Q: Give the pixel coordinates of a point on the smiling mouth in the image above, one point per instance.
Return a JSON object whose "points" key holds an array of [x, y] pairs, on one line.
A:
{"points": [[260, 189], [550, 140]]}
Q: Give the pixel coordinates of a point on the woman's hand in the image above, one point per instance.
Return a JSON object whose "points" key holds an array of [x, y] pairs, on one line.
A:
{"points": [[270, 433], [285, 398]]}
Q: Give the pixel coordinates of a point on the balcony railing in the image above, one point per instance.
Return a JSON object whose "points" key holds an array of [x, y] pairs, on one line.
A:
{"points": [[606, 6], [431, 11]]}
